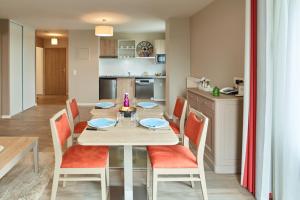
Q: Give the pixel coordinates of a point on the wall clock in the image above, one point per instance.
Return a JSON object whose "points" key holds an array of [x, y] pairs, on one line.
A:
{"points": [[144, 49]]}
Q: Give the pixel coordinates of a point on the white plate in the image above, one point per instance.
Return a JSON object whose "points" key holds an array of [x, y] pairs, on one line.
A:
{"points": [[154, 123], [102, 123], [147, 104], [1, 148], [105, 104]]}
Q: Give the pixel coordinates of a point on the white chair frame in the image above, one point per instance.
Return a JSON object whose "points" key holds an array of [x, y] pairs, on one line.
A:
{"points": [[71, 120], [58, 171], [182, 119], [192, 174]]}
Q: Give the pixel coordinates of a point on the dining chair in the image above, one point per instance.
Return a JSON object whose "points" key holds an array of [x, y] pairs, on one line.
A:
{"points": [[77, 126], [179, 160], [178, 118], [76, 159]]}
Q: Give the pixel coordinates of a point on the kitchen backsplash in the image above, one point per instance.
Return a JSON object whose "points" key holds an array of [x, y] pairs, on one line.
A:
{"points": [[136, 66]]}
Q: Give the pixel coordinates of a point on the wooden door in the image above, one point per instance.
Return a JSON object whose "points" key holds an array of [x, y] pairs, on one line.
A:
{"points": [[55, 71]]}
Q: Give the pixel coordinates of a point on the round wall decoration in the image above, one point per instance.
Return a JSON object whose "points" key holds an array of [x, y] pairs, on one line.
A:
{"points": [[144, 49]]}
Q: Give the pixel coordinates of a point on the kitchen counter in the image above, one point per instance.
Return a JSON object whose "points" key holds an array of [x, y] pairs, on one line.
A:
{"points": [[132, 76], [209, 96]]}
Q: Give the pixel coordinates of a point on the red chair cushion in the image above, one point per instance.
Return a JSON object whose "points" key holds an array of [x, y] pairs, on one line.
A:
{"points": [[74, 108], [79, 156], [176, 156], [63, 129], [193, 128], [80, 126], [178, 108], [174, 127]]}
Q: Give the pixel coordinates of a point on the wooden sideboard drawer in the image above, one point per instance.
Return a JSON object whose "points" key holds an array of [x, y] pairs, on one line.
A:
{"points": [[193, 99], [206, 103]]}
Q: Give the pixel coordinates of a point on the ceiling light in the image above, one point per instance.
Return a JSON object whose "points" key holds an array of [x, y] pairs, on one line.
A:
{"points": [[104, 31], [54, 41]]}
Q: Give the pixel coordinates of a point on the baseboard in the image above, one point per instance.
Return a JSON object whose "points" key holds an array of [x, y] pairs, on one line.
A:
{"points": [[5, 116]]}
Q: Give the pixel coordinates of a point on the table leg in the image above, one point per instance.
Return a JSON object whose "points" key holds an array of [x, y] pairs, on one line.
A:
{"points": [[36, 156], [128, 178]]}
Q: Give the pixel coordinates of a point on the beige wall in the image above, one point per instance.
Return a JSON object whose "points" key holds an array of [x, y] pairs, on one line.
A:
{"points": [[177, 60], [84, 85], [217, 42]]}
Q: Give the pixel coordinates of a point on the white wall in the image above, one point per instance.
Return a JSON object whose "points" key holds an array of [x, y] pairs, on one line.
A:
{"points": [[28, 67], [39, 60], [136, 66], [15, 69], [178, 59], [83, 73]]}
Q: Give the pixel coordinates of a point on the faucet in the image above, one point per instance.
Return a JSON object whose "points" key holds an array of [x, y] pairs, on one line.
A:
{"points": [[128, 73]]}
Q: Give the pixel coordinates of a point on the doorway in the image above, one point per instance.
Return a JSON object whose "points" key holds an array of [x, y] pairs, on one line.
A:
{"points": [[51, 69]]}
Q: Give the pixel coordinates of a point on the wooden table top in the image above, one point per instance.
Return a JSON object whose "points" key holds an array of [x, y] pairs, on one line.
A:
{"points": [[13, 146], [127, 132]]}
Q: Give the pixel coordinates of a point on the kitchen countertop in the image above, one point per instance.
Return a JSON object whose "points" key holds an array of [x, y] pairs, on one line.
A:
{"points": [[132, 76]]}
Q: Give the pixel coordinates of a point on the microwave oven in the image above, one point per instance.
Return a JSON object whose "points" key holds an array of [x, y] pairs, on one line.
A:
{"points": [[160, 58]]}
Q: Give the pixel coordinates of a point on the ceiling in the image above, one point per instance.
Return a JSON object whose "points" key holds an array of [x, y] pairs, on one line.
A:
{"points": [[125, 15]]}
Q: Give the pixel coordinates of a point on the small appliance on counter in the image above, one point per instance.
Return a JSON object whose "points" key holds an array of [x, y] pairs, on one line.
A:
{"points": [[239, 85], [160, 58]]}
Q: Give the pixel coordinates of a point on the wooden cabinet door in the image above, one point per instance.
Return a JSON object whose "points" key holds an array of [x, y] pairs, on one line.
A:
{"points": [[125, 85], [55, 71], [108, 48]]}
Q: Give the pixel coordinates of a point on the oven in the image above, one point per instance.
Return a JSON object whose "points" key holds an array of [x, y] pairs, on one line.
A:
{"points": [[144, 88]]}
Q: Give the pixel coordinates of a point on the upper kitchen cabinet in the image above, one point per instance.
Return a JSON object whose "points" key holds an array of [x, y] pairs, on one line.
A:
{"points": [[108, 48], [126, 48], [159, 47]]}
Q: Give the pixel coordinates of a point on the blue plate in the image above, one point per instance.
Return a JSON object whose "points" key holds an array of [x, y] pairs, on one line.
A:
{"points": [[105, 105], [147, 104], [102, 122], [154, 123]]}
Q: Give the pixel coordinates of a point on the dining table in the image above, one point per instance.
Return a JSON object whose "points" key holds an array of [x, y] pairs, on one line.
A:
{"points": [[128, 133]]}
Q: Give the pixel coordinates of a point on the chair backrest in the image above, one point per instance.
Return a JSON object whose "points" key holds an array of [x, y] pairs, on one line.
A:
{"points": [[196, 131], [61, 132], [73, 112], [180, 112]]}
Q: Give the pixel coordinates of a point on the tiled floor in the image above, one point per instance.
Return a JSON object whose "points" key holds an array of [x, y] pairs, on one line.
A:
{"points": [[35, 122]]}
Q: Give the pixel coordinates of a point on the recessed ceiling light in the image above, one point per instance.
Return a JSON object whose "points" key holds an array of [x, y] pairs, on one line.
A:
{"points": [[54, 41]]}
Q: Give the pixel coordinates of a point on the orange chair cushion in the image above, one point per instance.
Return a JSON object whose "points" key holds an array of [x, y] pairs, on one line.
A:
{"points": [[176, 156], [63, 129], [80, 126], [178, 108], [193, 128], [74, 108], [174, 127], [79, 156]]}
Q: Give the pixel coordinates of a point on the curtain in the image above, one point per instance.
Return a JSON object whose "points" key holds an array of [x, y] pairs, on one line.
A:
{"points": [[278, 100], [286, 99], [249, 130], [264, 103]]}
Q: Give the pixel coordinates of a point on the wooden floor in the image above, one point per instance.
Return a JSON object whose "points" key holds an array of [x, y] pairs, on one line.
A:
{"points": [[35, 122], [51, 99]]}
